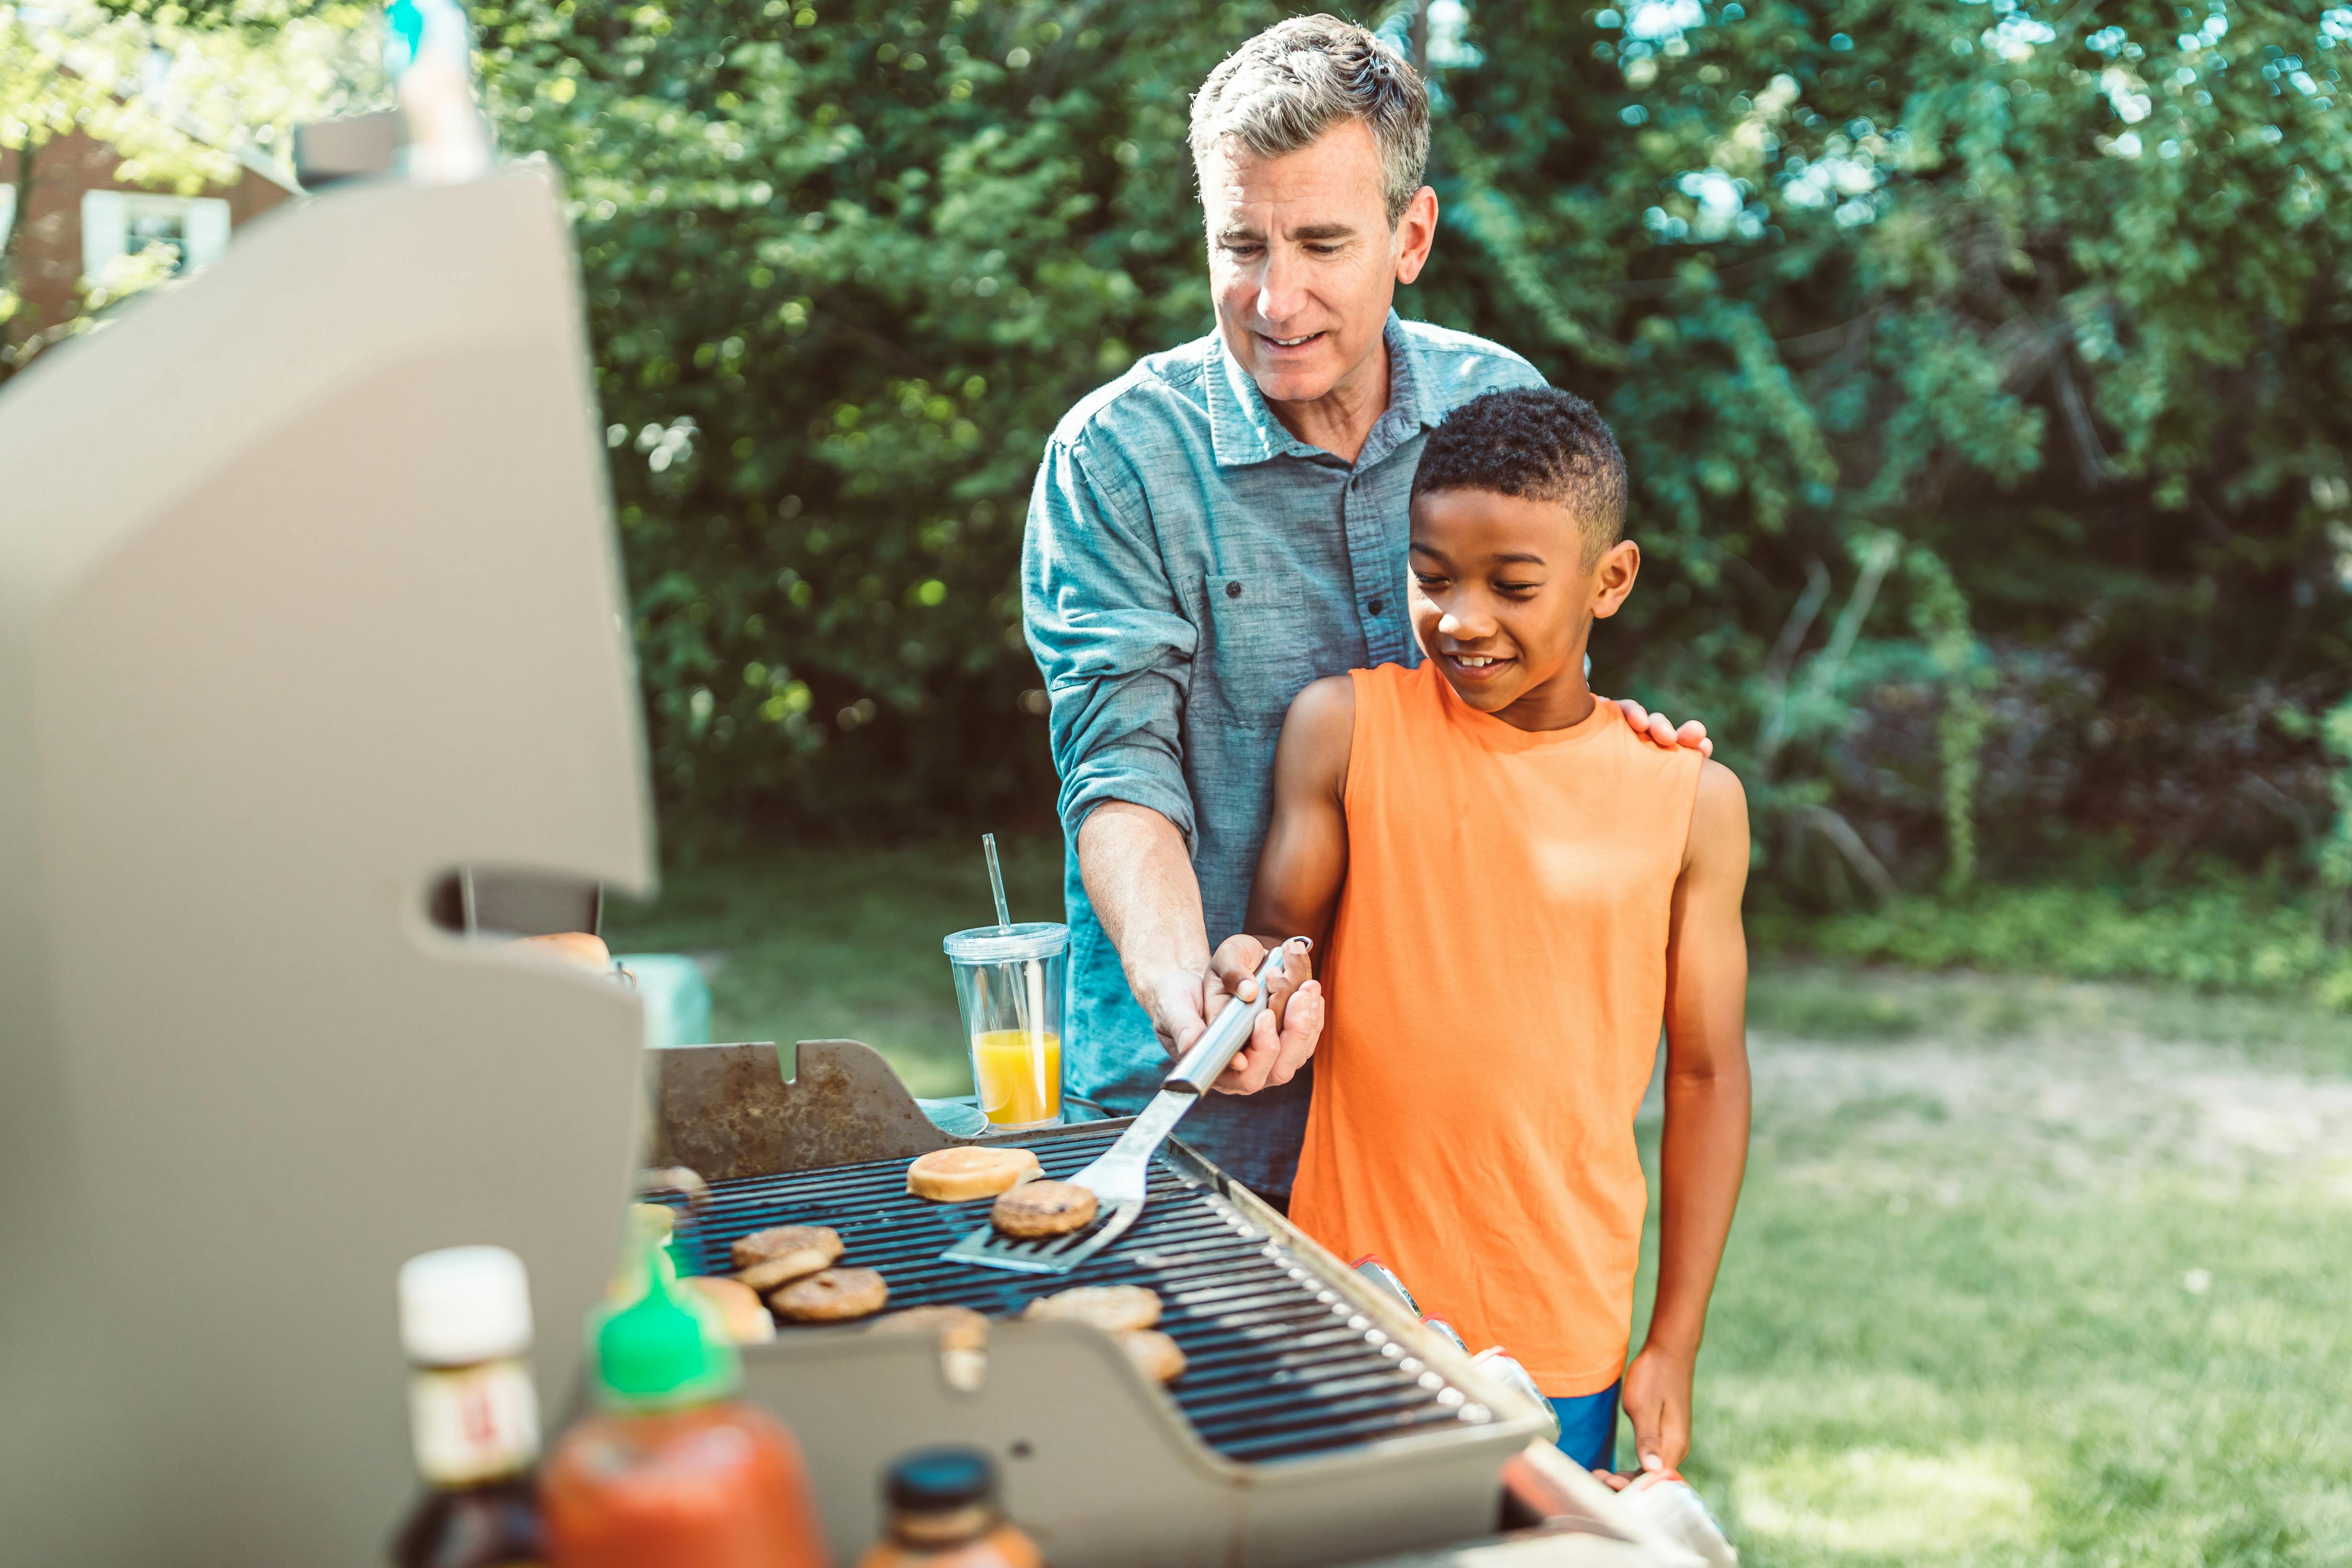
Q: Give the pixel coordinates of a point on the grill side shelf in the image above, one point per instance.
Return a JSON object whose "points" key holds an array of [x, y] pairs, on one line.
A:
{"points": [[1281, 1365]]}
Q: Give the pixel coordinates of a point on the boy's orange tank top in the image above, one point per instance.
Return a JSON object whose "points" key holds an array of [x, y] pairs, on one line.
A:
{"points": [[1498, 980]]}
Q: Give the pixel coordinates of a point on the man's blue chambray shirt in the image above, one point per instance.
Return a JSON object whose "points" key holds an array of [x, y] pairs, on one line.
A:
{"points": [[1190, 565]]}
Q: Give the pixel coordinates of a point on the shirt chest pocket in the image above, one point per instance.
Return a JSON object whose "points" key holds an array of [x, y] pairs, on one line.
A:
{"points": [[1254, 651]]}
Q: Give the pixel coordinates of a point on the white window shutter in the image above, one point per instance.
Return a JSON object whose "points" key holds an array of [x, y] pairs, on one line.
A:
{"points": [[105, 231], [207, 231], [7, 211]]}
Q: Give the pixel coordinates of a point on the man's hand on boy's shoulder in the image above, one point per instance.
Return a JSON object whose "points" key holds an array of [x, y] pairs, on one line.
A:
{"points": [[1660, 730]]}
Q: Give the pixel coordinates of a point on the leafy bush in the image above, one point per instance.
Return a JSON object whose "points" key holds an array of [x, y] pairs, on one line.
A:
{"points": [[1931, 331], [844, 272]]}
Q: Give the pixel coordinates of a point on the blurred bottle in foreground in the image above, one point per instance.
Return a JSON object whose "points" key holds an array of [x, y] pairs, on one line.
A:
{"points": [[465, 1322], [429, 53], [670, 1471], [944, 1514], [1673, 1506]]}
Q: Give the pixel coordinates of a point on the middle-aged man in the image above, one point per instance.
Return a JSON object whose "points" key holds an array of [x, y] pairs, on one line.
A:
{"points": [[1220, 525]]}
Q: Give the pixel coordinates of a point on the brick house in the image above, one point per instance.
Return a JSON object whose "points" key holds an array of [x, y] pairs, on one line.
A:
{"points": [[81, 218]]}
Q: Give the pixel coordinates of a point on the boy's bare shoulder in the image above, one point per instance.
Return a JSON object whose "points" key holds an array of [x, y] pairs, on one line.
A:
{"points": [[1323, 707], [1719, 790], [1718, 816], [1319, 736]]}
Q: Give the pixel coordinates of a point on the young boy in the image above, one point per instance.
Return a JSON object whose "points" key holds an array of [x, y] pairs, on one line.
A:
{"points": [[1516, 890]]}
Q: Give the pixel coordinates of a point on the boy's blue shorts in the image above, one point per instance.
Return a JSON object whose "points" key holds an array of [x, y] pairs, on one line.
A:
{"points": [[1588, 1427]]}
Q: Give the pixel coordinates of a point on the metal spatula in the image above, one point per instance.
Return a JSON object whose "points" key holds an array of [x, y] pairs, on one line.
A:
{"points": [[1118, 1176]]}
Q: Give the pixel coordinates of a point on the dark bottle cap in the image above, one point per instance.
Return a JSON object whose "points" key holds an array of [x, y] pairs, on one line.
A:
{"points": [[933, 1480]]}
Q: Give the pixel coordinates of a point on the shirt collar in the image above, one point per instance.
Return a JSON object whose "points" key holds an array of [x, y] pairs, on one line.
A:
{"points": [[1242, 430]]}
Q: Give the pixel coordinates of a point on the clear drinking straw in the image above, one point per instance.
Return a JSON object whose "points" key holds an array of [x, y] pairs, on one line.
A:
{"points": [[1029, 1002], [996, 882]]}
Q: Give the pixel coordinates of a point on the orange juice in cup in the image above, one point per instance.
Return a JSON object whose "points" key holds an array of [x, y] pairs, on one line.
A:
{"points": [[1018, 1077], [1009, 982]]}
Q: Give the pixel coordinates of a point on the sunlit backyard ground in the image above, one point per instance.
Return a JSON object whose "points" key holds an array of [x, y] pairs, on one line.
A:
{"points": [[2025, 1272]]}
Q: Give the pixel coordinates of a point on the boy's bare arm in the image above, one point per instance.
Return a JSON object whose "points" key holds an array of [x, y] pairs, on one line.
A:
{"points": [[1704, 1149], [1305, 855], [1303, 863]]}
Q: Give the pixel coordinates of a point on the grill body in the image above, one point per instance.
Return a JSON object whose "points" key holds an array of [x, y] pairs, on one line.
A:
{"points": [[1316, 1423]]}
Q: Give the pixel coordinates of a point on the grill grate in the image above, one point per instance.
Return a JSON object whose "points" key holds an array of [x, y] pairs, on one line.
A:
{"points": [[1279, 1364]]}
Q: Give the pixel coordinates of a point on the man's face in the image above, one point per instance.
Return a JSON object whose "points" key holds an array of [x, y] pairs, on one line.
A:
{"points": [[1303, 261], [1501, 598]]}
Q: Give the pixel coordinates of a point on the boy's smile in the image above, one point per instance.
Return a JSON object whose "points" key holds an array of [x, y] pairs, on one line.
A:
{"points": [[1503, 602]]}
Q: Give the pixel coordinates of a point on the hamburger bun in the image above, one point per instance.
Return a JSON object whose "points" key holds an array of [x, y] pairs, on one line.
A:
{"points": [[742, 1316], [957, 1328], [1155, 1355], [1114, 1308], [579, 947], [960, 1175]]}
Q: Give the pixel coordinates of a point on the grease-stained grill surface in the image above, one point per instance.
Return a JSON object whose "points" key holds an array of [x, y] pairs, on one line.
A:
{"points": [[1278, 1364]]}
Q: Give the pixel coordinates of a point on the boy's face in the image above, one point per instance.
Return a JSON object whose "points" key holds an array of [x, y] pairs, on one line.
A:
{"points": [[1503, 601]]}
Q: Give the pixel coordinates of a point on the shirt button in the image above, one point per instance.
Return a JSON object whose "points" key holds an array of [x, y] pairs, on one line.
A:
{"points": [[1232, 590], [1375, 606]]}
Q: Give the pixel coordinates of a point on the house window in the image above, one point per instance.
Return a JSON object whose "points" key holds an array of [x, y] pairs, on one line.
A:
{"points": [[185, 232]]}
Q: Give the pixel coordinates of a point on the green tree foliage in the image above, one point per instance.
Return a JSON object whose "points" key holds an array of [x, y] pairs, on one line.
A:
{"points": [[1981, 366], [845, 269], [2054, 294]]}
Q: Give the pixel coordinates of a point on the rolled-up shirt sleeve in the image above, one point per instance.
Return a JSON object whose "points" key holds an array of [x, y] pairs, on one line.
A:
{"points": [[1110, 638]]}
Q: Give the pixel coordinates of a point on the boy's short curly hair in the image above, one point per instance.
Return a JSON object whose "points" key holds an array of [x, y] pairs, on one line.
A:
{"points": [[1537, 443]]}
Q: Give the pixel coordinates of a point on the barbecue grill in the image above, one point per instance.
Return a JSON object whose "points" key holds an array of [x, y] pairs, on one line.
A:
{"points": [[1317, 1422]]}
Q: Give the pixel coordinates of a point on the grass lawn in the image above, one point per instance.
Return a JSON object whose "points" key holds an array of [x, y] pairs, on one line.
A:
{"points": [[2025, 1271]]}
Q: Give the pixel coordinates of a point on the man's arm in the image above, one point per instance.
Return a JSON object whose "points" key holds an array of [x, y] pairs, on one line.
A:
{"points": [[1116, 655], [1704, 1150]]}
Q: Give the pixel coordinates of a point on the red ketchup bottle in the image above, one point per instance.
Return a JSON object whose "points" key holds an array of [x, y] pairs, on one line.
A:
{"points": [[671, 1471]]}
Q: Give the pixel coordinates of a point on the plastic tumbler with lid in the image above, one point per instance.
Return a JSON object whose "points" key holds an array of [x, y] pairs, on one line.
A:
{"points": [[1008, 981]]}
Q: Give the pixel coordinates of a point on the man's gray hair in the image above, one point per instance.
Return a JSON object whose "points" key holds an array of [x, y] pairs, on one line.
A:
{"points": [[1294, 81]]}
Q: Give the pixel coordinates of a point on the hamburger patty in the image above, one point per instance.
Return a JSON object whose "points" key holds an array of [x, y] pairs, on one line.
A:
{"points": [[1043, 1209], [768, 1258], [832, 1296]]}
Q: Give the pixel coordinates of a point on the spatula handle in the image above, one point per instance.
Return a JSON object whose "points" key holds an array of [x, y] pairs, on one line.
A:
{"points": [[1231, 1029]]}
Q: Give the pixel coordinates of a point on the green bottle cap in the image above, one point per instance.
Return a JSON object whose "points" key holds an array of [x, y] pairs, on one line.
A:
{"points": [[658, 1354]]}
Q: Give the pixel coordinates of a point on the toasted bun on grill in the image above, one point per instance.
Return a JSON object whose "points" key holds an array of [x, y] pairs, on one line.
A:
{"points": [[743, 1317], [1155, 1355], [581, 947], [650, 1226], [832, 1296], [957, 1328], [1114, 1308], [675, 1179], [1042, 1208], [770, 1258], [959, 1175]]}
